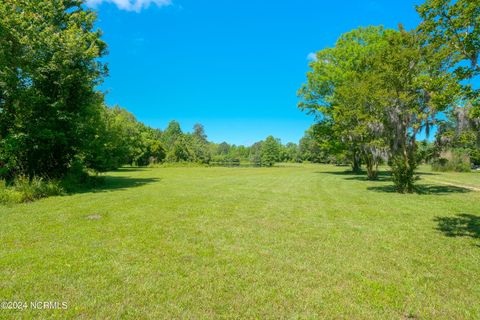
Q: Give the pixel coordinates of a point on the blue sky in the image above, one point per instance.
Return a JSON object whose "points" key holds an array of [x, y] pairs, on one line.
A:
{"points": [[234, 66]]}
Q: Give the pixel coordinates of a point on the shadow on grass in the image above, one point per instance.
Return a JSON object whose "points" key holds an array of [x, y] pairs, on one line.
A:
{"points": [[359, 176], [380, 177], [425, 189], [461, 225], [364, 173], [112, 183], [383, 176], [343, 173], [426, 174], [131, 169]]}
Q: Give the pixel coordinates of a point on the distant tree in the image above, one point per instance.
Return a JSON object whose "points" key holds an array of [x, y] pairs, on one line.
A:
{"points": [[110, 147], [199, 132], [320, 144], [200, 145], [256, 153], [151, 150], [121, 139], [239, 152], [180, 151], [460, 131], [291, 152], [425, 151], [309, 148], [223, 148], [172, 133], [270, 151]]}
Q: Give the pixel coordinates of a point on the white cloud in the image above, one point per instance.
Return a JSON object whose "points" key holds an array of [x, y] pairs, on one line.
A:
{"points": [[312, 56], [131, 5]]}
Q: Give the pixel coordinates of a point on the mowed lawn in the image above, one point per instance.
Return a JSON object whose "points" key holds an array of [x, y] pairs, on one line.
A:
{"points": [[298, 241]]}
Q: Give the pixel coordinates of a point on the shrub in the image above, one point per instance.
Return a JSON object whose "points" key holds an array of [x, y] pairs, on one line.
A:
{"points": [[36, 188], [455, 160], [403, 174], [78, 178], [475, 157], [8, 195], [24, 189]]}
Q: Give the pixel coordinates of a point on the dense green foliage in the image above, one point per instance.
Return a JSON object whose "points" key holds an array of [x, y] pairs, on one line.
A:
{"points": [[24, 189], [319, 145], [49, 67], [453, 29], [288, 241], [270, 151], [54, 122], [381, 88], [374, 93]]}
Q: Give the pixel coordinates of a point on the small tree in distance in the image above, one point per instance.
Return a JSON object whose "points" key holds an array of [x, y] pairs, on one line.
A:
{"points": [[270, 151]]}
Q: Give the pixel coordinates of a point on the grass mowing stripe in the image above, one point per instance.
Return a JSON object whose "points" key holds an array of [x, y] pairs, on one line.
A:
{"points": [[301, 241]]}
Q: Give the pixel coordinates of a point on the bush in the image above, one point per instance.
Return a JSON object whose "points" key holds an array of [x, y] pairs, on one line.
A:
{"points": [[475, 157], [456, 160], [78, 178], [8, 195], [403, 174], [24, 189]]}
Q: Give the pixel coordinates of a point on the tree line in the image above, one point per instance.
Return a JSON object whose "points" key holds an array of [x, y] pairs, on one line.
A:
{"points": [[377, 90], [53, 118], [123, 140], [374, 93]]}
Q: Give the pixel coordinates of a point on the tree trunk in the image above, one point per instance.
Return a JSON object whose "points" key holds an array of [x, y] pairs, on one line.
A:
{"points": [[372, 169], [356, 162]]}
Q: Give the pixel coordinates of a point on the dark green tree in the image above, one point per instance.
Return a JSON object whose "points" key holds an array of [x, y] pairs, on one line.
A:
{"points": [[180, 151], [291, 152], [256, 153], [200, 145], [270, 151], [199, 132], [49, 69], [171, 134]]}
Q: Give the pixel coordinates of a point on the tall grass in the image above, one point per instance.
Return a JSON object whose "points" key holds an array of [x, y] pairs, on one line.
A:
{"points": [[24, 189], [458, 163]]}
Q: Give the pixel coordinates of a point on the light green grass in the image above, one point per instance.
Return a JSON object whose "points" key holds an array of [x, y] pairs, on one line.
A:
{"points": [[300, 241], [469, 179]]}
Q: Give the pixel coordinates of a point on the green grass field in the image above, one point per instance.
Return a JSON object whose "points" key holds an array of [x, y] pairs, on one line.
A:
{"points": [[298, 241]]}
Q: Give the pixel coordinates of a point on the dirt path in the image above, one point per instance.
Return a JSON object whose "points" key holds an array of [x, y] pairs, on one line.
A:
{"points": [[454, 184]]}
